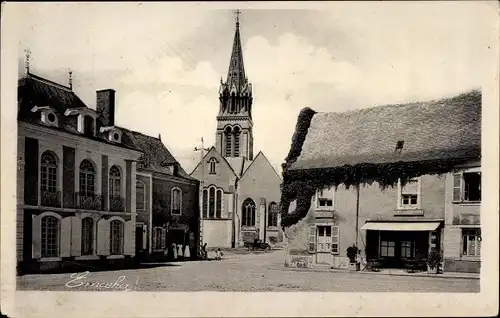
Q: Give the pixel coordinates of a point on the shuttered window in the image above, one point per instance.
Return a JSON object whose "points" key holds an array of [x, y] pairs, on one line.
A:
{"points": [[50, 236], [87, 236], [116, 237], [457, 187]]}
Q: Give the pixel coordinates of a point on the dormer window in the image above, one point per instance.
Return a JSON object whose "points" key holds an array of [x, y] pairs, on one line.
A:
{"points": [[47, 115], [113, 134], [88, 125]]}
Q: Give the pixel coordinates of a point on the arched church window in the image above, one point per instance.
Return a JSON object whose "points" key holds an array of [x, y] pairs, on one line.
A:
{"points": [[212, 162], [237, 133], [248, 215], [229, 144]]}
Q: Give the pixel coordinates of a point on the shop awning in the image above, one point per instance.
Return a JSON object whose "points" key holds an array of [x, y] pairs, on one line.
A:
{"points": [[400, 226]]}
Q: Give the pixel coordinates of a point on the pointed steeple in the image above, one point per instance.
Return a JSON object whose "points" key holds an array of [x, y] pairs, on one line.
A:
{"points": [[236, 73]]}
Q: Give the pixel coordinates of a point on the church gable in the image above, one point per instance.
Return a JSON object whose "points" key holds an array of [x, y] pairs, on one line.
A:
{"points": [[261, 180], [216, 171]]}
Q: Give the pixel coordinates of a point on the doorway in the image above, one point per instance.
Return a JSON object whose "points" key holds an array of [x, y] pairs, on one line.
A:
{"points": [[324, 244]]}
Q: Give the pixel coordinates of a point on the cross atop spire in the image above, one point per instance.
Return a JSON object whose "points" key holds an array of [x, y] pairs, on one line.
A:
{"points": [[238, 12], [27, 55]]}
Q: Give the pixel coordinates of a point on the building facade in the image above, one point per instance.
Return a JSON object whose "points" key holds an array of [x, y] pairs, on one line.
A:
{"points": [[395, 204], [167, 200], [75, 181], [240, 196]]}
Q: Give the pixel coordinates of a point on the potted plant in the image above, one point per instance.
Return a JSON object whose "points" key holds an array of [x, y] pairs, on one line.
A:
{"points": [[434, 260], [352, 254]]}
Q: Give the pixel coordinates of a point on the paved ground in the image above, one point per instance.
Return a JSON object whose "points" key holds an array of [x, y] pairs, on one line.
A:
{"points": [[253, 272]]}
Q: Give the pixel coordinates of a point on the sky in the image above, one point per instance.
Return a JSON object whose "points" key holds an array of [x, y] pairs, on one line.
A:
{"points": [[165, 60]]}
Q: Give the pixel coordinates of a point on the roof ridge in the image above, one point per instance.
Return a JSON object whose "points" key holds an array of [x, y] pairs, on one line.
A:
{"points": [[413, 103], [49, 82]]}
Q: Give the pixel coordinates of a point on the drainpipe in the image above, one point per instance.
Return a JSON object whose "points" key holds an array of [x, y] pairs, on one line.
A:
{"points": [[357, 214]]}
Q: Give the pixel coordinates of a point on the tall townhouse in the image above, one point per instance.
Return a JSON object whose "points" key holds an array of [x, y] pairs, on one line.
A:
{"points": [[395, 180], [167, 200], [76, 180]]}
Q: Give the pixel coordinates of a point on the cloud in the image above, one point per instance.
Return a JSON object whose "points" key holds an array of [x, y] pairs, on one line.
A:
{"points": [[353, 57], [293, 62]]}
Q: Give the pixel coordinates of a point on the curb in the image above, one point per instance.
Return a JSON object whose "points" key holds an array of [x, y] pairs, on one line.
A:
{"points": [[377, 273]]}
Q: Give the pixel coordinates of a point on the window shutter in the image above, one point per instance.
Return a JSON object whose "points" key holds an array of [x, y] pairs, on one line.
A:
{"points": [[65, 242], [103, 237], [312, 238], [163, 238], [335, 239], [129, 239], [76, 236], [36, 225], [457, 187]]}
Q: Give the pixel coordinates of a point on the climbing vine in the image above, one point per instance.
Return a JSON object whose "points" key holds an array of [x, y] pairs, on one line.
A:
{"points": [[301, 185]]}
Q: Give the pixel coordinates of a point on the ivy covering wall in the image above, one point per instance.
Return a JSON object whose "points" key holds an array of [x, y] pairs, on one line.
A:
{"points": [[301, 185]]}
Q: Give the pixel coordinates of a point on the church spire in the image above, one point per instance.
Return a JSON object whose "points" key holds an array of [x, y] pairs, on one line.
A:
{"points": [[236, 73]]}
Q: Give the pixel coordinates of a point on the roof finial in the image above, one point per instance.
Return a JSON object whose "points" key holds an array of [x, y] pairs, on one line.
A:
{"points": [[27, 55], [159, 136], [238, 12], [70, 80]]}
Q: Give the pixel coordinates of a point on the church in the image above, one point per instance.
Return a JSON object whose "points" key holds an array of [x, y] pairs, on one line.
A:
{"points": [[241, 191]]}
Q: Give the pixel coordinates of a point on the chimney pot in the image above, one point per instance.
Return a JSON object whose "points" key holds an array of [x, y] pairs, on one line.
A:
{"points": [[105, 106]]}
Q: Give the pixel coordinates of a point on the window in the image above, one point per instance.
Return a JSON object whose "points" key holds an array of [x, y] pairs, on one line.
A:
{"points": [[409, 194], [116, 237], [50, 236], [387, 248], [212, 162], [212, 202], [471, 242], [218, 205], [236, 133], [140, 196], [176, 201], [87, 236], [229, 144], [48, 173], [88, 124], [273, 214], [51, 117], [114, 182], [205, 203], [248, 218], [467, 187], [324, 199], [87, 178], [406, 250]]}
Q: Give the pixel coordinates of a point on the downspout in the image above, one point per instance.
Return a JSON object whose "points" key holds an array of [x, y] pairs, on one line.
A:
{"points": [[265, 222], [357, 214]]}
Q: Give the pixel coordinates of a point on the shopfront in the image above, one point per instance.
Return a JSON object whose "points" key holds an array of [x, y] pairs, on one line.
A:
{"points": [[401, 244]]}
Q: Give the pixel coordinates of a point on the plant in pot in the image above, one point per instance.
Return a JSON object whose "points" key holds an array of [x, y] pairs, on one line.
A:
{"points": [[352, 254], [434, 260]]}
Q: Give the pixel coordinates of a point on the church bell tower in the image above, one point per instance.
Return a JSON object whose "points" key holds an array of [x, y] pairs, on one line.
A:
{"points": [[234, 137]]}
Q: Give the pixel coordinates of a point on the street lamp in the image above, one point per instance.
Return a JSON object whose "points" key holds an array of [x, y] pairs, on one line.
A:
{"points": [[202, 150]]}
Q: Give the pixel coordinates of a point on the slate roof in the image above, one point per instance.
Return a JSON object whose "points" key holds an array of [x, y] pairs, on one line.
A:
{"points": [[156, 156], [37, 91], [441, 129]]}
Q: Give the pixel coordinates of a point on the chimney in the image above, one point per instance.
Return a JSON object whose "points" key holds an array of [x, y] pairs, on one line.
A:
{"points": [[105, 106]]}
